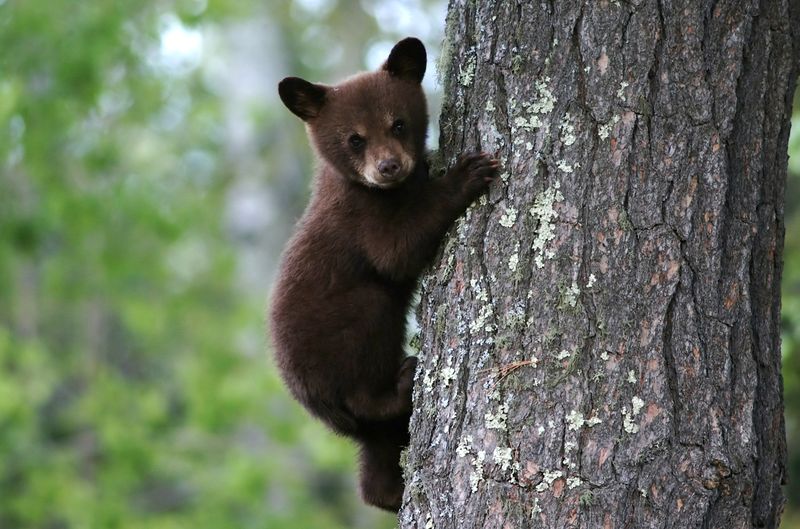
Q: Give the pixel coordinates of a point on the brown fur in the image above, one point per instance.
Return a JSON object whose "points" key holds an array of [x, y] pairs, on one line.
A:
{"points": [[347, 276]]}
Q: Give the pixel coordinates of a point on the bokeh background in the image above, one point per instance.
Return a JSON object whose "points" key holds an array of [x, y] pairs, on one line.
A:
{"points": [[148, 178]]}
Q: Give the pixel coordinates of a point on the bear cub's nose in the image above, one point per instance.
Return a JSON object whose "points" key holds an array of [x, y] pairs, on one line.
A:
{"points": [[389, 168]]}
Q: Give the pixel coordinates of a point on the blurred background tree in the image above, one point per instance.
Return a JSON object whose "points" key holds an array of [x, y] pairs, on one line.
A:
{"points": [[148, 178], [791, 323]]}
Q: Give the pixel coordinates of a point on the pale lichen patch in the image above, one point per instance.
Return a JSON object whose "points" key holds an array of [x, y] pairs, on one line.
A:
{"points": [[530, 118], [464, 446], [502, 457], [628, 423], [570, 295], [497, 420], [544, 100], [509, 217], [480, 292], [548, 477], [574, 482], [563, 354], [621, 92], [448, 374], [427, 381], [529, 123], [515, 315], [467, 72], [637, 404], [575, 420], [481, 322], [513, 261], [569, 447], [593, 421], [477, 473], [565, 167], [568, 130], [605, 130], [543, 211]]}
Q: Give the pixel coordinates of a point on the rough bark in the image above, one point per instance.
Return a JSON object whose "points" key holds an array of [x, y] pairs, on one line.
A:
{"points": [[600, 339]]}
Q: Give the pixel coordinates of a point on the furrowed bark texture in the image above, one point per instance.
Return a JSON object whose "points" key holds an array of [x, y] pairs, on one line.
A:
{"points": [[600, 336]]}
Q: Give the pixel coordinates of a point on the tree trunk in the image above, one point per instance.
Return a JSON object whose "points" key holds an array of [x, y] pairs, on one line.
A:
{"points": [[601, 336]]}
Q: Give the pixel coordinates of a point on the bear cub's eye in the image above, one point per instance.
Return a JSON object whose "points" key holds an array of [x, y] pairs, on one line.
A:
{"points": [[398, 127], [356, 142]]}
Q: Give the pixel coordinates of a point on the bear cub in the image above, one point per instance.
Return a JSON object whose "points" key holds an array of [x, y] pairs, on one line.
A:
{"points": [[374, 222]]}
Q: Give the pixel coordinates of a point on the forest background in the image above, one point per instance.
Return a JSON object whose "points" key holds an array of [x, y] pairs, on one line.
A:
{"points": [[149, 176]]}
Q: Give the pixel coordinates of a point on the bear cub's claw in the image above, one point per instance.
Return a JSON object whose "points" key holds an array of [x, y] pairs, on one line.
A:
{"points": [[476, 169]]}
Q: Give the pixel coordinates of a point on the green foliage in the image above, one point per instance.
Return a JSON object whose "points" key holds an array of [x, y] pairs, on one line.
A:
{"points": [[134, 387], [791, 323]]}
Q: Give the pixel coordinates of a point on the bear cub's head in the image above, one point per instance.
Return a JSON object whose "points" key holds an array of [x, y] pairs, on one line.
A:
{"points": [[371, 128]]}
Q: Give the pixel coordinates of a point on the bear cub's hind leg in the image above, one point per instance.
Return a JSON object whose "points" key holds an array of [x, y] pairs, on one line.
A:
{"points": [[381, 475], [389, 403]]}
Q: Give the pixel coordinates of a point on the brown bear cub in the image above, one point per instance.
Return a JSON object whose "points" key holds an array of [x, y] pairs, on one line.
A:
{"points": [[375, 220]]}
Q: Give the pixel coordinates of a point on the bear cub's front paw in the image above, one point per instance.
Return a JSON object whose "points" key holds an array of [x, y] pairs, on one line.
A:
{"points": [[475, 171]]}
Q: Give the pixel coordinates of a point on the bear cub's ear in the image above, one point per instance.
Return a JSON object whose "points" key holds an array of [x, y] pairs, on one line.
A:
{"points": [[301, 97], [407, 60]]}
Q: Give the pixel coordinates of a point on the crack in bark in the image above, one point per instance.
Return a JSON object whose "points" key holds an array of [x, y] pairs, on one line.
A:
{"points": [[671, 371], [624, 39], [576, 43], [658, 52]]}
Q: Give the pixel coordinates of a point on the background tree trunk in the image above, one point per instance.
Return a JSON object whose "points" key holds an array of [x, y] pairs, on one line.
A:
{"points": [[600, 338]]}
